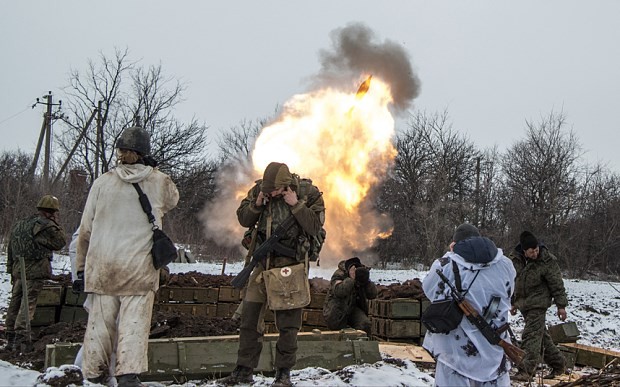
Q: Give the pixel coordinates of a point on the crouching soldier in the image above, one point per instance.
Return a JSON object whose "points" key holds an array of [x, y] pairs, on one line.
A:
{"points": [[350, 288]]}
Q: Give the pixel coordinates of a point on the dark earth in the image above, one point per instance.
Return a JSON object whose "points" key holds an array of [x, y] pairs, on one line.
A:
{"points": [[172, 324]]}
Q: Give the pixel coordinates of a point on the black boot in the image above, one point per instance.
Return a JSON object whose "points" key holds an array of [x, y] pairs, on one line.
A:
{"points": [[283, 378], [128, 380], [10, 341], [240, 375]]}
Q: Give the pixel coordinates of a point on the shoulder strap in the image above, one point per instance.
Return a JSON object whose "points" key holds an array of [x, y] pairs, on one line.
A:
{"points": [[457, 278], [146, 205]]}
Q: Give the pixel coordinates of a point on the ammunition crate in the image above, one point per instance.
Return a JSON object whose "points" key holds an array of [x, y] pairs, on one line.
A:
{"points": [[398, 308], [388, 328], [51, 296], [182, 359], [76, 299], [45, 315], [317, 300], [229, 294], [313, 317], [226, 309], [564, 333], [590, 356], [204, 310], [71, 314], [188, 295]]}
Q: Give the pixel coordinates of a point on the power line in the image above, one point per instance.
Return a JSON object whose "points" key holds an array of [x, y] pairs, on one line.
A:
{"points": [[14, 115]]}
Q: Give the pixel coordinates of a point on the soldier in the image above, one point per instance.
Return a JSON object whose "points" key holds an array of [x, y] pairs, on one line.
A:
{"points": [[538, 284], [486, 277], [350, 289], [114, 261], [270, 201], [32, 241]]}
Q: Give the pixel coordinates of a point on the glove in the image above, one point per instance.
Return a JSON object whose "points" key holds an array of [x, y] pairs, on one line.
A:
{"points": [[362, 275], [78, 284]]}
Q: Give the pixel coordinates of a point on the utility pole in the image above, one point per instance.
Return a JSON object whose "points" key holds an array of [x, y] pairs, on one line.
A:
{"points": [[99, 137], [46, 134]]}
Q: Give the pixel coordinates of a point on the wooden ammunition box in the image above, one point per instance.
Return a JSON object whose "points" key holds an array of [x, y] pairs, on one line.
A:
{"points": [[76, 299], [51, 295], [229, 294], [590, 356], [71, 314], [226, 309], [388, 328], [182, 359], [398, 308], [45, 315], [204, 310], [313, 317], [317, 300], [188, 295], [564, 333]]}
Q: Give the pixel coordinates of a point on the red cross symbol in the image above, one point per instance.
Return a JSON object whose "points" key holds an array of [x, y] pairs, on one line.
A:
{"points": [[285, 271]]}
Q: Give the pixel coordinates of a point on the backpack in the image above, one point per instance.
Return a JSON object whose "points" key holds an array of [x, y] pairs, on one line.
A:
{"points": [[316, 241]]}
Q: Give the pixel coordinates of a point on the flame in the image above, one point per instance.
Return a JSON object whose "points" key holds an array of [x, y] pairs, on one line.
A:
{"points": [[343, 142]]}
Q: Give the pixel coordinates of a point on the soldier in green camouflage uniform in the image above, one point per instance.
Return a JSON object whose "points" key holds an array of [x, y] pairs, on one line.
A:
{"points": [[272, 200], [347, 300], [538, 284], [32, 239]]}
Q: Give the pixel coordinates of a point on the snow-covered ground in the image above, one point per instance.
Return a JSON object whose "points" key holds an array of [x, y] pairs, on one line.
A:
{"points": [[593, 305]]}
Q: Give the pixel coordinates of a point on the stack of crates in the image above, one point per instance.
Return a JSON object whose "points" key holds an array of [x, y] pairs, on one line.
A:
{"points": [[196, 301], [397, 319]]}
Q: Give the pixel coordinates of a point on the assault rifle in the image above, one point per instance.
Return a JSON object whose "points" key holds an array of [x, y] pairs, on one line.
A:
{"points": [[513, 352], [262, 251]]}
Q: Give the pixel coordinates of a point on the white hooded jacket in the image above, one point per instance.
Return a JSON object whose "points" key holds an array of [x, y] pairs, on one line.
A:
{"points": [[115, 239], [465, 349]]}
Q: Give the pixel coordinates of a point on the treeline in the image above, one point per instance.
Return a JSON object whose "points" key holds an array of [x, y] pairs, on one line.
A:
{"points": [[439, 179]]}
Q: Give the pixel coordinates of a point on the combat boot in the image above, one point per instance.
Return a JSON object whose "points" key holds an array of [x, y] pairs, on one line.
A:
{"points": [[129, 380], [240, 375], [10, 341], [555, 372], [283, 378]]}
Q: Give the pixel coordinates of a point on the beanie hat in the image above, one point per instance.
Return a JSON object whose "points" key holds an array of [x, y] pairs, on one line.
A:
{"points": [[276, 176], [355, 261], [528, 240], [465, 231]]}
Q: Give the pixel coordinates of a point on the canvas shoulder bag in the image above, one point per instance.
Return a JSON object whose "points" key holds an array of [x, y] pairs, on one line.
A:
{"points": [[445, 315], [163, 251]]}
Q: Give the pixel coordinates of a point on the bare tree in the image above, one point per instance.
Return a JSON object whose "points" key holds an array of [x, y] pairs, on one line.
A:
{"points": [[126, 91], [542, 174]]}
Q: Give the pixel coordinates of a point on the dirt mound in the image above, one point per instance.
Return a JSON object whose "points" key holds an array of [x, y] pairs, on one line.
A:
{"points": [[163, 325], [408, 289], [196, 279]]}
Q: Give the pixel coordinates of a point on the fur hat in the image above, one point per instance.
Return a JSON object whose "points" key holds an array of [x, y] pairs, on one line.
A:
{"points": [[528, 240], [355, 261], [465, 231]]}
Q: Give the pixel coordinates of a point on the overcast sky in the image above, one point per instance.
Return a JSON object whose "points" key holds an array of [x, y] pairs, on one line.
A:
{"points": [[491, 65]]}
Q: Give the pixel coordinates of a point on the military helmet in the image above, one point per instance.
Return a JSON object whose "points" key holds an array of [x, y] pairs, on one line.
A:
{"points": [[48, 202], [136, 139]]}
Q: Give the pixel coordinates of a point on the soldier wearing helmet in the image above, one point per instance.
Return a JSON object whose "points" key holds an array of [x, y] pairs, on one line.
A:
{"points": [[268, 204], [32, 240], [114, 262]]}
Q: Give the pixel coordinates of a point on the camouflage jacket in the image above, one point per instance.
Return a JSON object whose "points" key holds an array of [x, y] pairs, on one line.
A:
{"points": [[539, 281], [34, 238], [309, 220], [344, 295]]}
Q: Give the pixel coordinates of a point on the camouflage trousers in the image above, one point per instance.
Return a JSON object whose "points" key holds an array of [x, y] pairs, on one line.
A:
{"points": [[15, 317], [288, 323], [356, 319], [536, 341]]}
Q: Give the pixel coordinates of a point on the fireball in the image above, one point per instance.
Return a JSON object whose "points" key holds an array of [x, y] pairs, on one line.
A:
{"points": [[342, 140]]}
